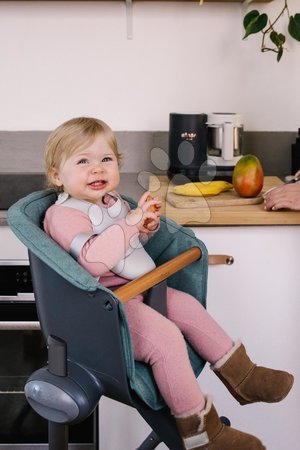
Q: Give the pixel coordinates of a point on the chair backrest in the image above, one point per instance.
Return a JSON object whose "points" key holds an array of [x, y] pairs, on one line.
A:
{"points": [[89, 322], [71, 304], [25, 218], [74, 306]]}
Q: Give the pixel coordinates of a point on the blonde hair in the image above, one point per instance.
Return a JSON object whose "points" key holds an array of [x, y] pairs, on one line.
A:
{"points": [[70, 136]]}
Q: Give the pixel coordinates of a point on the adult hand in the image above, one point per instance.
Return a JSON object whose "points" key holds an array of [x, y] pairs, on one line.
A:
{"points": [[285, 196]]}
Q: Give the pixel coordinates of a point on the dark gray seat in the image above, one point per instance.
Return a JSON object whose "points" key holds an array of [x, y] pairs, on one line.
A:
{"points": [[85, 326]]}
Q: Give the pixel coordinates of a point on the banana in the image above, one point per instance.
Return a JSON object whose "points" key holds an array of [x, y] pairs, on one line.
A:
{"points": [[204, 188]]}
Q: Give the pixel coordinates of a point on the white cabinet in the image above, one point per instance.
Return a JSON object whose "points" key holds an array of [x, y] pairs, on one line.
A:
{"points": [[257, 299]]}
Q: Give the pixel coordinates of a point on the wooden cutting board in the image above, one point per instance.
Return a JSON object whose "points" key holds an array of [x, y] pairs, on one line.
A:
{"points": [[227, 216], [228, 198]]}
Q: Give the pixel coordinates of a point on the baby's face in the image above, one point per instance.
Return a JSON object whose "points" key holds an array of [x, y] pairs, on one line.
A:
{"points": [[89, 173]]}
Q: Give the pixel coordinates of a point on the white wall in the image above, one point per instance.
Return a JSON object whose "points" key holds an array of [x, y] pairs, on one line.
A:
{"points": [[62, 59]]}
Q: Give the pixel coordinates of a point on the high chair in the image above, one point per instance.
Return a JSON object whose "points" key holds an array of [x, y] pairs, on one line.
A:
{"points": [[84, 325]]}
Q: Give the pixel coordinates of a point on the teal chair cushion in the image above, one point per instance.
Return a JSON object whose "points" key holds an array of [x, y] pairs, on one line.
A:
{"points": [[26, 220]]}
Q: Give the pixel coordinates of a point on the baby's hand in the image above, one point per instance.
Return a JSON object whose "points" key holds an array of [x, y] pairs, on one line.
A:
{"points": [[151, 224], [146, 215]]}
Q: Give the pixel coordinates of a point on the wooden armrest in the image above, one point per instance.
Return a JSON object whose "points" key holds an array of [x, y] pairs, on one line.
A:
{"points": [[155, 276], [220, 259]]}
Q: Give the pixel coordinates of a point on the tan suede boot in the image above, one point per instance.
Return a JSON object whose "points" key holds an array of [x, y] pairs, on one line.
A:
{"points": [[249, 383], [206, 431]]}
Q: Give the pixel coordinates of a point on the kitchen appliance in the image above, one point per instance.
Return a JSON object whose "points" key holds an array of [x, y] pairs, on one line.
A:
{"points": [[22, 351], [296, 154], [224, 143], [187, 146]]}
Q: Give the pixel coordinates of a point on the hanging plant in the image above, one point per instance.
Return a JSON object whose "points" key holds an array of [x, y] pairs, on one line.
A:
{"points": [[254, 22]]}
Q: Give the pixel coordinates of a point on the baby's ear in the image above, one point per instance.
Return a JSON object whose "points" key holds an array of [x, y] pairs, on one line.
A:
{"points": [[55, 178]]}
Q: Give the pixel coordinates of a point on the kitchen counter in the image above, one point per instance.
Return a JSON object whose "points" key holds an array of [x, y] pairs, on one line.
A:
{"points": [[223, 215], [133, 185]]}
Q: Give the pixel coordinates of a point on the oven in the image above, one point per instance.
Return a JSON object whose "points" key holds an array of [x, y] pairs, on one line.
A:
{"points": [[22, 351]]}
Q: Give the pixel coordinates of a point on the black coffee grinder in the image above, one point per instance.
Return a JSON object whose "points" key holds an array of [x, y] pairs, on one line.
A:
{"points": [[188, 146]]}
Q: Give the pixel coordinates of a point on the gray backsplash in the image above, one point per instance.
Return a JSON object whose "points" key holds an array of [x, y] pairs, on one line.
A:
{"points": [[22, 151]]}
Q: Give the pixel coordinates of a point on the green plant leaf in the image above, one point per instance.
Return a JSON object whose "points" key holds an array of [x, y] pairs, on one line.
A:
{"points": [[294, 27], [254, 23], [279, 54], [249, 17], [277, 39], [282, 38]]}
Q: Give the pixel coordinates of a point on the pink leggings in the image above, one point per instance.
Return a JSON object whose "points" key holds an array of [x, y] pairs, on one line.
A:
{"points": [[159, 341]]}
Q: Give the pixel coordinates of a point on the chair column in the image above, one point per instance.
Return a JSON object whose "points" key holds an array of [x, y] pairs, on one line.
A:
{"points": [[58, 433]]}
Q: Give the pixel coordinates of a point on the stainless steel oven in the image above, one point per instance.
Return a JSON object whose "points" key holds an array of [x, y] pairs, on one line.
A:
{"points": [[22, 350]]}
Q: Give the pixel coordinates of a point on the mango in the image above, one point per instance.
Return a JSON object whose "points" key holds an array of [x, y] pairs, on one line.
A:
{"points": [[248, 176]]}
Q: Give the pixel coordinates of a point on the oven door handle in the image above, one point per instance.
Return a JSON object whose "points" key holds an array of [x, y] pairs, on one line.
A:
{"points": [[19, 325]]}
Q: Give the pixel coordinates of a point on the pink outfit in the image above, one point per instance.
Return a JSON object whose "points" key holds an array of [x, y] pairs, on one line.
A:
{"points": [[156, 340]]}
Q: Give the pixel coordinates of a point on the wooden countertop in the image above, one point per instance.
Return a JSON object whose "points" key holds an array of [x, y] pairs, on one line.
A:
{"points": [[223, 215]]}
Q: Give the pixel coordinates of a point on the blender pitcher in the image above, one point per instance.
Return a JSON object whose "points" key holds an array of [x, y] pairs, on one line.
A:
{"points": [[224, 139]]}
